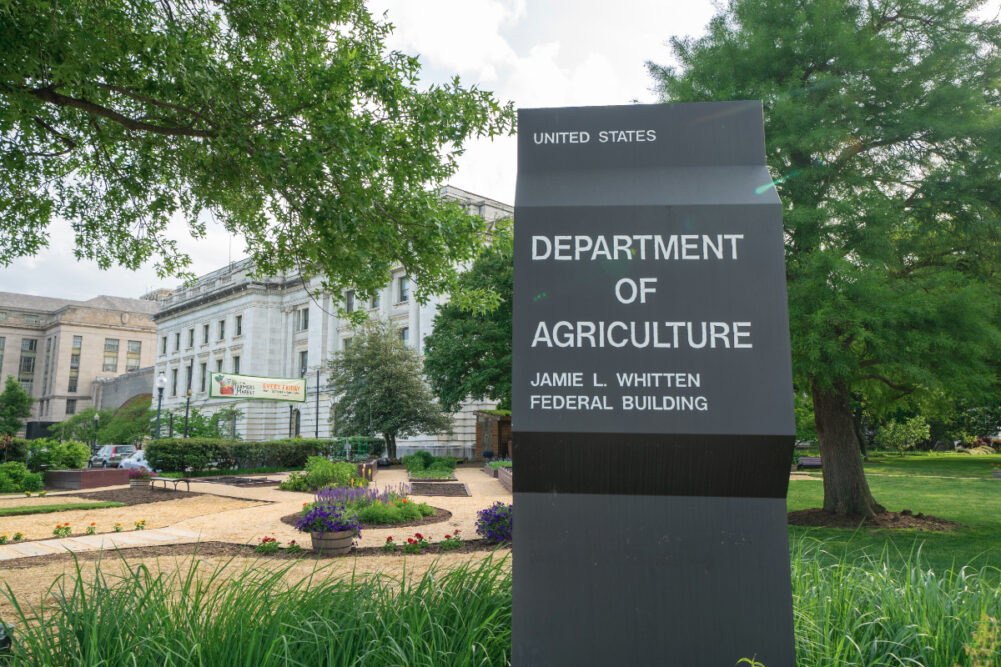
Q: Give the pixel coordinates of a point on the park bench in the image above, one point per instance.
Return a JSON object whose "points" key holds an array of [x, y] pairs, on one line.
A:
{"points": [[173, 480], [808, 462]]}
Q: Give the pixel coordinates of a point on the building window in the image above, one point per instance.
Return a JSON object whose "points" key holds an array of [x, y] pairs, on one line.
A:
{"points": [[301, 319], [75, 362], [348, 342], [133, 355], [205, 334], [239, 325], [403, 287], [3, 315], [48, 365], [405, 335], [71, 406], [222, 329], [303, 362], [374, 303], [163, 346], [26, 367], [218, 365], [349, 301], [236, 364], [173, 382], [191, 338], [30, 319], [111, 355], [201, 378], [177, 341], [187, 377]]}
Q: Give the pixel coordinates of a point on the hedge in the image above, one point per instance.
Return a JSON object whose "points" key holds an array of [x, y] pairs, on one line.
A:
{"points": [[180, 454]]}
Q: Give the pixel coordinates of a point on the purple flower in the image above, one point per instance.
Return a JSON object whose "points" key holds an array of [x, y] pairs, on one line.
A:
{"points": [[328, 518], [495, 523]]}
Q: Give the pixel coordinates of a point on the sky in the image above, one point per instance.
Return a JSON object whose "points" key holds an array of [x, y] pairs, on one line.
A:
{"points": [[535, 53]]}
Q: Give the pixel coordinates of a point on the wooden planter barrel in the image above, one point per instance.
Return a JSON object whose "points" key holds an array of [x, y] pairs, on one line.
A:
{"points": [[333, 544], [139, 483]]}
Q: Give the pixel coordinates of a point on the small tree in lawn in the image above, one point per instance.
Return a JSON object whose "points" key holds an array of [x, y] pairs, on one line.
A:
{"points": [[468, 354], [903, 435], [15, 407], [381, 388]]}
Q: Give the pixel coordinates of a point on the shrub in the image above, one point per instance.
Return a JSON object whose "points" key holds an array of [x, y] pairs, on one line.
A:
{"points": [[422, 461], [495, 523], [13, 449], [50, 454], [14, 477], [499, 464], [295, 482], [321, 472]]}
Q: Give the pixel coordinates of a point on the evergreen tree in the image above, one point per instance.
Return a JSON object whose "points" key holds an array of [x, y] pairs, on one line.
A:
{"points": [[381, 389], [468, 354], [883, 131]]}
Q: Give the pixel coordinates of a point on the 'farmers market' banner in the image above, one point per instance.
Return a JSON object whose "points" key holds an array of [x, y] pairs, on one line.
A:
{"points": [[230, 385]]}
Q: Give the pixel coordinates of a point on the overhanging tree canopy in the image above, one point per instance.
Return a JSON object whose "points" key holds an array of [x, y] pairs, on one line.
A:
{"points": [[288, 120], [883, 130]]}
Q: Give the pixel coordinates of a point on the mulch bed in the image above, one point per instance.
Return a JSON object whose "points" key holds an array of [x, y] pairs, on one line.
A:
{"points": [[438, 516], [904, 519], [438, 489], [229, 550], [137, 496]]}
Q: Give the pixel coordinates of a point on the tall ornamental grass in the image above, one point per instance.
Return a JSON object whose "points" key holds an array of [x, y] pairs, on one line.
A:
{"points": [[263, 617], [848, 611], [860, 611]]}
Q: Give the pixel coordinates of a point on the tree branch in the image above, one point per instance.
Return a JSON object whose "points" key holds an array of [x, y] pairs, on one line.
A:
{"points": [[52, 97], [901, 388]]}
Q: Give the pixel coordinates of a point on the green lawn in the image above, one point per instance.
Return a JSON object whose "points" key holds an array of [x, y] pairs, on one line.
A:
{"points": [[48, 509], [905, 483]]}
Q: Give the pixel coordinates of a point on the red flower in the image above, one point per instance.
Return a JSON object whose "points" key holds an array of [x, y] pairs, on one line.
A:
{"points": [[410, 540], [291, 543], [418, 536], [457, 531], [448, 537], [389, 539]]}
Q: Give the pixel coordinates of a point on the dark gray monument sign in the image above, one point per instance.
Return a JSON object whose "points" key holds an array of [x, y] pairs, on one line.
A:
{"points": [[653, 417]]}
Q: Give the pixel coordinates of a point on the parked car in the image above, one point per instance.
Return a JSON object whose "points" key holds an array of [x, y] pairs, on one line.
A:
{"points": [[137, 460], [109, 456]]}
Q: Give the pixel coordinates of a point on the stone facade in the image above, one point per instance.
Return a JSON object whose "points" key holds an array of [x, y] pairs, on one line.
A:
{"points": [[57, 348], [278, 327], [112, 393]]}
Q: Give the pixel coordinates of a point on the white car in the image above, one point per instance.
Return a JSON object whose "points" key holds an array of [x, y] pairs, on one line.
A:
{"points": [[137, 460]]}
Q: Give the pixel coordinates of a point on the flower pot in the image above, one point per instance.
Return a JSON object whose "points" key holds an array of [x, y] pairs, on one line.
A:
{"points": [[333, 544], [139, 483]]}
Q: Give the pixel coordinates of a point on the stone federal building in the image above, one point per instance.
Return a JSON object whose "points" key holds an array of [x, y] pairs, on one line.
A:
{"points": [[58, 348], [231, 321]]}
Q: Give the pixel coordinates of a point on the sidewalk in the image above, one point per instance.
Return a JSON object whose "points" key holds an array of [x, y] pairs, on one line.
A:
{"points": [[139, 538]]}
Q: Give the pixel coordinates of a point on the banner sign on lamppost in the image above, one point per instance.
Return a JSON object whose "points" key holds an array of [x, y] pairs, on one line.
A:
{"points": [[652, 398], [249, 387]]}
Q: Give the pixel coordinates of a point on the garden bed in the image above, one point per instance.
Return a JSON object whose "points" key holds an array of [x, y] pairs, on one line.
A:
{"points": [[438, 516], [140, 496], [506, 477], [230, 550], [489, 470], [439, 488], [904, 519]]}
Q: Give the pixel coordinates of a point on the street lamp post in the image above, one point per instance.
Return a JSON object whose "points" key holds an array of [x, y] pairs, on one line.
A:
{"points": [[316, 426], [97, 418], [161, 384], [290, 420], [187, 404]]}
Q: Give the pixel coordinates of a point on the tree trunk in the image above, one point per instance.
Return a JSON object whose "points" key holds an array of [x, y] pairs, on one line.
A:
{"points": [[846, 490], [390, 446]]}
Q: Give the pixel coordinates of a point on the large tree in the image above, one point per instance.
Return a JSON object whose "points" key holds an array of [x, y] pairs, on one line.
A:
{"points": [[288, 120], [15, 407], [468, 354], [883, 134], [381, 389]]}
